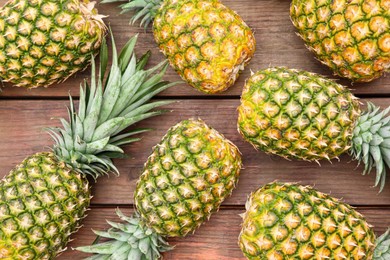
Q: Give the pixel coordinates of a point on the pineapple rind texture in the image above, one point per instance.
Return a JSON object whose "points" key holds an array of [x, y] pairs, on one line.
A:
{"points": [[297, 114], [42, 202], [289, 221], [43, 42], [186, 178], [205, 42], [350, 37]]}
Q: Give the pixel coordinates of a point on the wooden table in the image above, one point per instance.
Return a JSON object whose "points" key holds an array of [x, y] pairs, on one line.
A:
{"points": [[23, 114]]}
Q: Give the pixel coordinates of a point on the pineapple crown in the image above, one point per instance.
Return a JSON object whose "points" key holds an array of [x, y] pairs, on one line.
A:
{"points": [[371, 142], [128, 240], [92, 137], [382, 247], [147, 9]]}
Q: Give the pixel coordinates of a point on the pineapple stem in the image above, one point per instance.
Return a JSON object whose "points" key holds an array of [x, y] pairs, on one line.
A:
{"points": [[371, 142], [382, 249], [145, 9], [128, 240]]}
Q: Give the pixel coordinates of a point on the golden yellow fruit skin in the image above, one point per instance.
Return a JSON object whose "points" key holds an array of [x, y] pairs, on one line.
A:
{"points": [[290, 221], [43, 42], [350, 37], [205, 42]]}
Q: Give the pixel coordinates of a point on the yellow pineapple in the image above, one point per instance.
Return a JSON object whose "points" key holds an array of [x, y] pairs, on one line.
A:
{"points": [[205, 42], [350, 37], [301, 115], [185, 179], [290, 221], [45, 41]]}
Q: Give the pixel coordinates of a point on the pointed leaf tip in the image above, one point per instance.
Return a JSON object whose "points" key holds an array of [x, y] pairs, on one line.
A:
{"points": [[90, 139], [130, 239], [369, 142]]}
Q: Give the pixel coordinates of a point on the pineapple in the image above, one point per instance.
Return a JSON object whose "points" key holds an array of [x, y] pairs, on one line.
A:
{"points": [[185, 179], [301, 115], [290, 221], [44, 199], [205, 42], [350, 37], [45, 41]]}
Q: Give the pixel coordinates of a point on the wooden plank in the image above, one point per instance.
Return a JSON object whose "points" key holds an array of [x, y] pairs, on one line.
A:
{"points": [[216, 239], [21, 134], [22, 120], [277, 45]]}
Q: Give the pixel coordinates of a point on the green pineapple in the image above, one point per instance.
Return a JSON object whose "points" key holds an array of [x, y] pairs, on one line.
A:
{"points": [[290, 221], [350, 37], [45, 41], [44, 199], [301, 115], [185, 179], [207, 43]]}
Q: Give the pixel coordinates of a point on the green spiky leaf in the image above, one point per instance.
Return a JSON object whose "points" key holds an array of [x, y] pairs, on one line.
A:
{"points": [[382, 248], [145, 9], [371, 142], [92, 137], [128, 240]]}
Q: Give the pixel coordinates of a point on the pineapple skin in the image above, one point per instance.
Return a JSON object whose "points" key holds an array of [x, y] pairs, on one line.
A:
{"points": [[297, 114], [43, 42], [205, 42], [289, 221], [186, 178], [350, 37], [42, 202]]}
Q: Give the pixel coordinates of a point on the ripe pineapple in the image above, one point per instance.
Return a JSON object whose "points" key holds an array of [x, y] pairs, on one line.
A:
{"points": [[44, 199], [301, 115], [289, 221], [350, 37], [205, 42], [185, 179], [45, 41]]}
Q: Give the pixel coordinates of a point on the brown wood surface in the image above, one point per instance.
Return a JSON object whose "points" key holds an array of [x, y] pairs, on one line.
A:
{"points": [[24, 113], [216, 239], [277, 45]]}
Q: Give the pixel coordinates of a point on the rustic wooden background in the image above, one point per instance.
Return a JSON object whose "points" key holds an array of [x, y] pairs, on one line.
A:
{"points": [[23, 114]]}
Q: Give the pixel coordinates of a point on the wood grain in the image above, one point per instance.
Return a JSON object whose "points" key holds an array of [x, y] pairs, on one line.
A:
{"points": [[24, 113], [216, 239], [277, 45], [22, 134]]}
